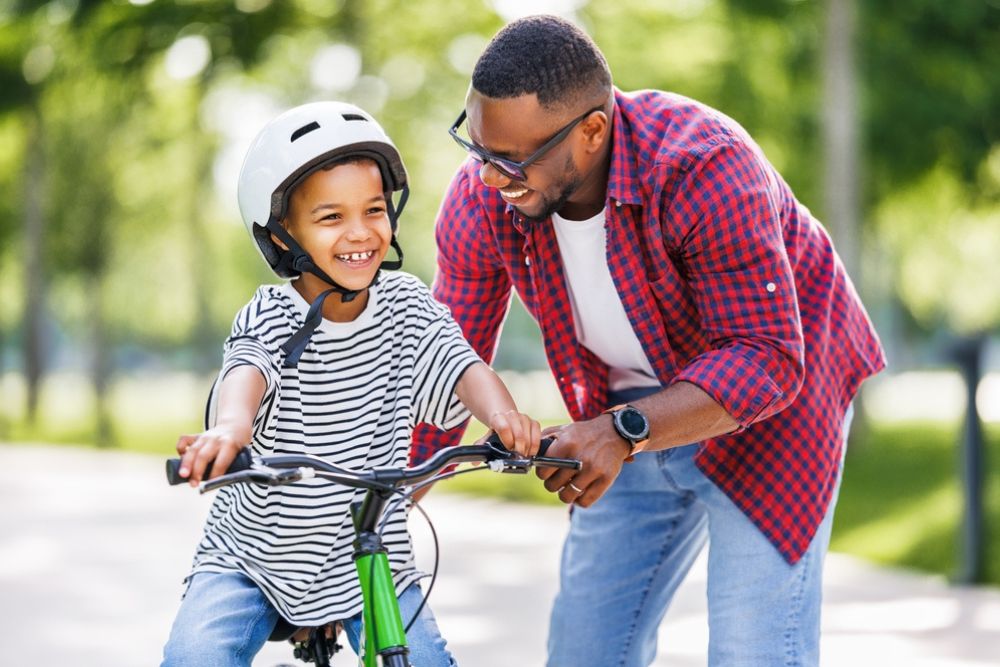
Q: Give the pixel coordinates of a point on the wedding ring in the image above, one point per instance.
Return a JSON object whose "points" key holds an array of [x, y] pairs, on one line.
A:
{"points": [[573, 486]]}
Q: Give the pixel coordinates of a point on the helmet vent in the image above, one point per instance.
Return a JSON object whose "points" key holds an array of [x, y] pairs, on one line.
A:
{"points": [[305, 129], [353, 116]]}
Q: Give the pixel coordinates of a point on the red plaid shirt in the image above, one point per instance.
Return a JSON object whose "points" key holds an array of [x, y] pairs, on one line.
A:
{"points": [[728, 281]]}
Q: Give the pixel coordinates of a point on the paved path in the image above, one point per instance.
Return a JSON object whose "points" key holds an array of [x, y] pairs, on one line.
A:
{"points": [[93, 547]]}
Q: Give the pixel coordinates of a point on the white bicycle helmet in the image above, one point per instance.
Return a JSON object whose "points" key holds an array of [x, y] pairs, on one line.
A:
{"points": [[293, 146], [284, 153]]}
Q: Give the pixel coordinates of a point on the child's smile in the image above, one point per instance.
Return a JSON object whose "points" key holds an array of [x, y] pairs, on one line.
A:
{"points": [[357, 260]]}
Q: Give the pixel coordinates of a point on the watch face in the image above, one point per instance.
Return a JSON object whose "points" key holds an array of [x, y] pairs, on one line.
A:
{"points": [[634, 423]]}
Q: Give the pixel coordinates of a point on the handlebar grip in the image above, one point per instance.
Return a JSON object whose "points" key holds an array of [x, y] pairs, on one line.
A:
{"points": [[243, 461], [544, 447], [494, 440]]}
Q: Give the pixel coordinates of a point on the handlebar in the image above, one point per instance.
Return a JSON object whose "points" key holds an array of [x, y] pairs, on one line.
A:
{"points": [[277, 469]]}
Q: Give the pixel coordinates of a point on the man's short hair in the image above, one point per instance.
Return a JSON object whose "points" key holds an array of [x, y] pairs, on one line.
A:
{"points": [[546, 56]]}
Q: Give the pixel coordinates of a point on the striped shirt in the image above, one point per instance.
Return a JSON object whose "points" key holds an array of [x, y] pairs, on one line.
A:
{"points": [[354, 398]]}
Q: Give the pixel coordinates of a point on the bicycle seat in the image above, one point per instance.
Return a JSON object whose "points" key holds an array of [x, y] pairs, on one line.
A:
{"points": [[283, 631]]}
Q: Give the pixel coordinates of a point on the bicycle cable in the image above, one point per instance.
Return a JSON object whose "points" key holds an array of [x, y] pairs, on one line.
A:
{"points": [[408, 495]]}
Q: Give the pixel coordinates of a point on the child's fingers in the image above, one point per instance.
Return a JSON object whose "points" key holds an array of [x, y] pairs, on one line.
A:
{"points": [[523, 434], [204, 451], [184, 442], [519, 434], [223, 459], [500, 422], [535, 439], [188, 448]]}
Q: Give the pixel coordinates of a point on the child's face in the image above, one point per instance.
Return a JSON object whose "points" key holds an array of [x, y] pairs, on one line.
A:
{"points": [[339, 217]]}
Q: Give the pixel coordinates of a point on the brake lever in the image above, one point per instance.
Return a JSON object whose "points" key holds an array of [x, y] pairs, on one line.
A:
{"points": [[259, 475], [507, 461], [515, 465]]}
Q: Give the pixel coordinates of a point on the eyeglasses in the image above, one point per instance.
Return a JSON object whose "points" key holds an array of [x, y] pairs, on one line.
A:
{"points": [[513, 169]]}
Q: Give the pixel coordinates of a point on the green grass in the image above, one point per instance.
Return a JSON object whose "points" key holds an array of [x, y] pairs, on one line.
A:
{"points": [[901, 500], [900, 503]]}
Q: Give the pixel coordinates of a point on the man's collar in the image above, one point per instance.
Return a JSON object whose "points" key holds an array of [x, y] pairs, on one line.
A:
{"points": [[623, 179]]}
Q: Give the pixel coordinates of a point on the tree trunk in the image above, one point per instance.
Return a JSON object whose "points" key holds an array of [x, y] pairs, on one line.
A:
{"points": [[34, 266], [840, 132], [102, 369], [207, 347], [842, 163]]}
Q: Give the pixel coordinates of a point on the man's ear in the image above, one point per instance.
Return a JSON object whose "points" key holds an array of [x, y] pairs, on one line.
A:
{"points": [[595, 129]]}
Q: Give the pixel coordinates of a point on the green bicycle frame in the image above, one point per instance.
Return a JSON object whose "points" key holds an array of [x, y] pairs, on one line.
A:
{"points": [[383, 623]]}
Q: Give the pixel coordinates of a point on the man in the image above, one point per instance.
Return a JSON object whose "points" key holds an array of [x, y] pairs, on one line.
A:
{"points": [[700, 327]]}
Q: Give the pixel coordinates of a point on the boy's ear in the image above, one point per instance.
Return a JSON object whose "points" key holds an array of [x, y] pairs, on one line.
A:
{"points": [[278, 242]]}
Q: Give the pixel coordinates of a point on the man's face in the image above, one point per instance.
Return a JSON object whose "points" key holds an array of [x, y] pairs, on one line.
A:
{"points": [[515, 128]]}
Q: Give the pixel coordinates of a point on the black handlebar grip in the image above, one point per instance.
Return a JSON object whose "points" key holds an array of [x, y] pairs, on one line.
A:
{"points": [[494, 440], [544, 446], [243, 461]]}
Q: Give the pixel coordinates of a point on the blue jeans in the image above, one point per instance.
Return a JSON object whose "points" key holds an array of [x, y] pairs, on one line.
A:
{"points": [[225, 619], [626, 555]]}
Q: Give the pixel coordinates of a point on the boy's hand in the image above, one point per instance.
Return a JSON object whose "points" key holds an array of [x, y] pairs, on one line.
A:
{"points": [[517, 431], [218, 446]]}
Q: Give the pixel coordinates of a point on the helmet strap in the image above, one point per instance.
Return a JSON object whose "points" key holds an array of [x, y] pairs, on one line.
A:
{"points": [[296, 343], [396, 210], [299, 261], [393, 264]]}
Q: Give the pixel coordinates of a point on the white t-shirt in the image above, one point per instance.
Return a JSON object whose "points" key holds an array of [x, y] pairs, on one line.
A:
{"points": [[601, 323], [359, 389]]}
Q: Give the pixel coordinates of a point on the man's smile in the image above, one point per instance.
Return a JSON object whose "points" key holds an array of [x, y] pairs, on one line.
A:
{"points": [[513, 194]]}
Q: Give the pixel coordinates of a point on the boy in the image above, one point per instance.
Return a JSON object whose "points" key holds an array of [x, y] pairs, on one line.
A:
{"points": [[346, 378]]}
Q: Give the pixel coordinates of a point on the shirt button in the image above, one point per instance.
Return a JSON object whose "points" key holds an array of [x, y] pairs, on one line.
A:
{"points": [[770, 287], [527, 261], [618, 204]]}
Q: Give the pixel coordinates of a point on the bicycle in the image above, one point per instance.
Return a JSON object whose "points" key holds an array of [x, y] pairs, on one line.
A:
{"points": [[384, 632]]}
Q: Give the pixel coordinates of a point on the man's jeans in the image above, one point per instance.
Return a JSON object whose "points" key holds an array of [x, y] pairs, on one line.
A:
{"points": [[626, 555], [225, 619]]}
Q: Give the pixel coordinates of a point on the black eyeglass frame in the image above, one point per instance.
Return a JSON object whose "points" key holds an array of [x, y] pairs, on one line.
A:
{"points": [[513, 169]]}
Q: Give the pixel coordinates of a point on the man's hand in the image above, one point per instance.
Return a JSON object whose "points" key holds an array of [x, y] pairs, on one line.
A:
{"points": [[597, 445]]}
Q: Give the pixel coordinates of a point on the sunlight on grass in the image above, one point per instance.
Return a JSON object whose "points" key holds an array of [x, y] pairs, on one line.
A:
{"points": [[148, 411], [891, 537]]}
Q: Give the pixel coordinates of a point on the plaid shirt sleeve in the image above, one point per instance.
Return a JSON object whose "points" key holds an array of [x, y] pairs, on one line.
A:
{"points": [[726, 210], [470, 281]]}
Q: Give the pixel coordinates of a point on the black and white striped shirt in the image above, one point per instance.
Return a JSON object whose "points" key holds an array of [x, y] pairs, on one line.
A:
{"points": [[359, 389]]}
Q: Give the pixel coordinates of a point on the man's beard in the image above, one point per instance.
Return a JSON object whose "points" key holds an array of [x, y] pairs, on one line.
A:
{"points": [[570, 185]]}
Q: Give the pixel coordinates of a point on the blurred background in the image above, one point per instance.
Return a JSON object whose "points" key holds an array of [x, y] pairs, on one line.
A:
{"points": [[123, 257]]}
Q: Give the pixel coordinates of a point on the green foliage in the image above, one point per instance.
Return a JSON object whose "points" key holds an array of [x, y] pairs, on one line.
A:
{"points": [[944, 244], [900, 503], [139, 155], [933, 74]]}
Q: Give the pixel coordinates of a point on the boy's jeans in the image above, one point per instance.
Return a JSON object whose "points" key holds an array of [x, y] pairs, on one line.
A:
{"points": [[225, 620], [626, 555]]}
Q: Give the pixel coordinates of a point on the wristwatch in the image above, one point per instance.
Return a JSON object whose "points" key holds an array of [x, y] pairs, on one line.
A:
{"points": [[632, 426]]}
